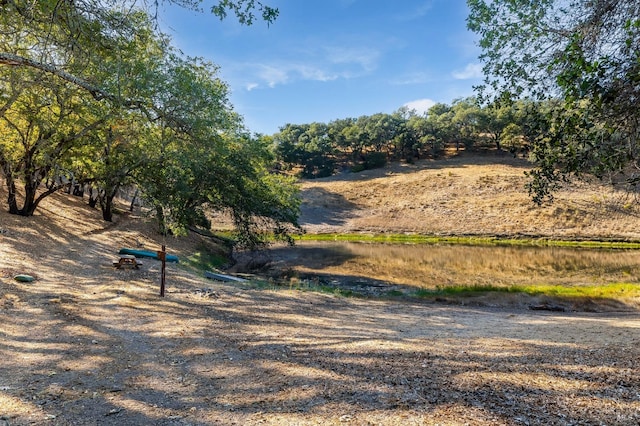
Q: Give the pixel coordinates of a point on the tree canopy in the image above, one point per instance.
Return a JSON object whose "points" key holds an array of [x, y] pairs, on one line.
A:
{"points": [[93, 94], [585, 57], [320, 149]]}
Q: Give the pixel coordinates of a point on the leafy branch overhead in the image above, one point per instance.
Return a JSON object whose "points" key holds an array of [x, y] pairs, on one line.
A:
{"points": [[585, 57], [97, 96], [244, 10]]}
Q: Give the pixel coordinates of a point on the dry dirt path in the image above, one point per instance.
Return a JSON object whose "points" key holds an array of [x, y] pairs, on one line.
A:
{"points": [[212, 354]]}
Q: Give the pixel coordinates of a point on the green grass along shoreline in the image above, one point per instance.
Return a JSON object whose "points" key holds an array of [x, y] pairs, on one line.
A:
{"points": [[472, 240]]}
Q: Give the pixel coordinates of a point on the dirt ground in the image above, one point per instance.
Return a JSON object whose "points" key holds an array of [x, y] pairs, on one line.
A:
{"points": [[86, 344]]}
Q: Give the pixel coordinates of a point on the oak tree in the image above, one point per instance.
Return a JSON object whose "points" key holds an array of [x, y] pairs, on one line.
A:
{"points": [[584, 54]]}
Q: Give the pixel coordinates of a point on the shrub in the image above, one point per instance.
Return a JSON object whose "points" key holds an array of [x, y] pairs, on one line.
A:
{"points": [[374, 160]]}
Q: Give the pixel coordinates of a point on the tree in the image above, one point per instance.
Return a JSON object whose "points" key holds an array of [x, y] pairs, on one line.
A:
{"points": [[308, 146], [115, 165], [62, 29], [44, 124], [198, 157], [406, 141], [438, 128], [340, 133], [54, 125], [381, 129], [97, 92], [466, 121], [586, 54], [287, 143], [256, 199], [494, 119], [356, 139]]}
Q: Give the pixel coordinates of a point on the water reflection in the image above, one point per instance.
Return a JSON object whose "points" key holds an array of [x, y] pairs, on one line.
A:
{"points": [[429, 266]]}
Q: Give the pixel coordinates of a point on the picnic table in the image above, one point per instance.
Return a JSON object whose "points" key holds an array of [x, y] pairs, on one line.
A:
{"points": [[127, 261]]}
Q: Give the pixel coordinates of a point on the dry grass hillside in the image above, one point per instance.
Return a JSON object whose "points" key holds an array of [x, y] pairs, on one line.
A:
{"points": [[464, 195]]}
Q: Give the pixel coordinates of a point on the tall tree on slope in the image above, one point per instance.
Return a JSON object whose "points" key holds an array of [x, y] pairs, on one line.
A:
{"points": [[583, 55]]}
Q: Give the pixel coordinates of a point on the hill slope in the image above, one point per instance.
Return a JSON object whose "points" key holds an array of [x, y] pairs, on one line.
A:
{"points": [[465, 195]]}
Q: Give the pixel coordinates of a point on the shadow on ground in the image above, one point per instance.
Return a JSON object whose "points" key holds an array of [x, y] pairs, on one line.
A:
{"points": [[253, 357], [459, 160], [322, 207], [86, 344]]}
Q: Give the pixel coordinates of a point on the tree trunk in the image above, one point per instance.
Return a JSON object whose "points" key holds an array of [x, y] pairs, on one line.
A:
{"points": [[162, 226], [496, 138], [78, 190], [11, 189], [133, 200], [10, 183], [93, 200], [29, 204], [106, 203], [107, 209], [11, 198], [33, 178]]}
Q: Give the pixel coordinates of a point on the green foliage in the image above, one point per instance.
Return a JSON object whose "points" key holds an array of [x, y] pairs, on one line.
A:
{"points": [[368, 142], [93, 93], [307, 146], [45, 125], [471, 241], [584, 58], [375, 160], [204, 259], [244, 10], [356, 168], [617, 291]]}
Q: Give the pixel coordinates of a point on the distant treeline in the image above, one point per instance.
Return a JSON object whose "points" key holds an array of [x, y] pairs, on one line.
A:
{"points": [[320, 150]]}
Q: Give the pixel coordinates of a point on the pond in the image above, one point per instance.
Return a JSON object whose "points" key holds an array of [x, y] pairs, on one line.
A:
{"points": [[431, 266]]}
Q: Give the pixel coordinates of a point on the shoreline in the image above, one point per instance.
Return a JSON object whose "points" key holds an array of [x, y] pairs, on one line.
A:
{"points": [[476, 240]]}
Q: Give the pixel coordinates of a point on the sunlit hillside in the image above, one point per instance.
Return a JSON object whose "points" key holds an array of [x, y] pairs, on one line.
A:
{"points": [[464, 195]]}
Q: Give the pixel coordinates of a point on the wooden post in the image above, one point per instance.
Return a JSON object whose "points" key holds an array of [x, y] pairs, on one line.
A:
{"points": [[162, 255]]}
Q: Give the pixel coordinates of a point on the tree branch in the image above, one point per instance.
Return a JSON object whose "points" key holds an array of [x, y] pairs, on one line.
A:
{"points": [[15, 60], [97, 93]]}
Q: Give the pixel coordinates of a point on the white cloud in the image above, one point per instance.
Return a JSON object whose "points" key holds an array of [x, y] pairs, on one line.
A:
{"points": [[417, 12], [365, 58], [272, 75], [413, 78], [471, 71], [315, 74], [420, 106], [325, 64]]}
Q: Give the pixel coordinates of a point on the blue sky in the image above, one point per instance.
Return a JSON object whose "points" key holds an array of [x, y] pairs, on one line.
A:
{"points": [[327, 59]]}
